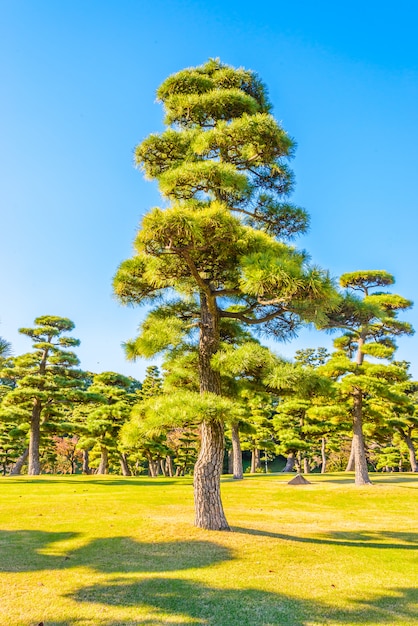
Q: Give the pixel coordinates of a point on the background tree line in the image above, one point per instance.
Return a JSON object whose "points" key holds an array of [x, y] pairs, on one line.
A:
{"points": [[217, 268]]}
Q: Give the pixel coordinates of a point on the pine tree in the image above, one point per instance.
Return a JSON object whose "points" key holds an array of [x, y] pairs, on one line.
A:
{"points": [[220, 244], [371, 324], [46, 382]]}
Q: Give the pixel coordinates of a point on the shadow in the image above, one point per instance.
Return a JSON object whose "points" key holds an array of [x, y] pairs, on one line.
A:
{"points": [[360, 539], [198, 604], [27, 551], [107, 481], [22, 550]]}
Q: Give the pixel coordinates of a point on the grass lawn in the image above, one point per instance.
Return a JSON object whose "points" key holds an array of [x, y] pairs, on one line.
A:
{"points": [[109, 551]]}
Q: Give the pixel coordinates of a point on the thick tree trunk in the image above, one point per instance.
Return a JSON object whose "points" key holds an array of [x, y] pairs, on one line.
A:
{"points": [[104, 461], [290, 462], [236, 453], [323, 455], [255, 460], [361, 471], [207, 472], [86, 467], [34, 465], [124, 466], [17, 467], [351, 463], [209, 511]]}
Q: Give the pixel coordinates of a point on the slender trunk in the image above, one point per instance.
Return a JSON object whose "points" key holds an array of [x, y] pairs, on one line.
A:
{"points": [[290, 462], [236, 453], [169, 467], [323, 455], [17, 467], [104, 461], [230, 461], [306, 468], [34, 465], [412, 454], [207, 472], [162, 467], [124, 465], [298, 462], [361, 471], [255, 460], [351, 464], [86, 468]]}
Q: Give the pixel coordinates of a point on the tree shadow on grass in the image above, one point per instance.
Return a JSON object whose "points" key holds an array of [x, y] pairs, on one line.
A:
{"points": [[108, 481], [354, 539], [31, 550], [197, 604]]}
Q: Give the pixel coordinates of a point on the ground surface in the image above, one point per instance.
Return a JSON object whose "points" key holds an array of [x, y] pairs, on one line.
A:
{"points": [[110, 551]]}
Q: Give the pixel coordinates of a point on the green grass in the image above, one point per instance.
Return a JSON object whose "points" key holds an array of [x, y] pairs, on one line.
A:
{"points": [[89, 551]]}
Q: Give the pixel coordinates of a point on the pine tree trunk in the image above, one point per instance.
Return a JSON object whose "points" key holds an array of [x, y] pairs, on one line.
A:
{"points": [[306, 468], [86, 467], [236, 453], [290, 462], [34, 465], [361, 471], [169, 465], [323, 455], [412, 454], [255, 460], [351, 463], [163, 467], [124, 465], [104, 461], [208, 468], [230, 461], [17, 467], [207, 472]]}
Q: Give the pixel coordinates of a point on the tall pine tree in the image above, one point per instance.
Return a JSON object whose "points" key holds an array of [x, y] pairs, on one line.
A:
{"points": [[218, 250]]}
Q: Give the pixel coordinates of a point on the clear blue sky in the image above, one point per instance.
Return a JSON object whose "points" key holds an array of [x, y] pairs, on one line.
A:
{"points": [[78, 81]]}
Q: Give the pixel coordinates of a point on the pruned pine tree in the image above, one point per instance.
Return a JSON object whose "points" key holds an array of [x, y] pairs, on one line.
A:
{"points": [[46, 380], [114, 397], [371, 326], [301, 418], [403, 419], [219, 249]]}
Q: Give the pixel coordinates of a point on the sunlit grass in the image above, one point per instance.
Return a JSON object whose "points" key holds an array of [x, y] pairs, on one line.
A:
{"points": [[108, 551]]}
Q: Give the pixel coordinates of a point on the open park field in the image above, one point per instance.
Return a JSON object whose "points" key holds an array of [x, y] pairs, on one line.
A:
{"points": [[109, 551]]}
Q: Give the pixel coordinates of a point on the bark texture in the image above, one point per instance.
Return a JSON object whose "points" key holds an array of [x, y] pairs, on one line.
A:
{"points": [[208, 505], [351, 463], [255, 460], [86, 467], [17, 467], [207, 472], [104, 461], [124, 466], [323, 455], [412, 454], [34, 465], [290, 463], [236, 453], [361, 471]]}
